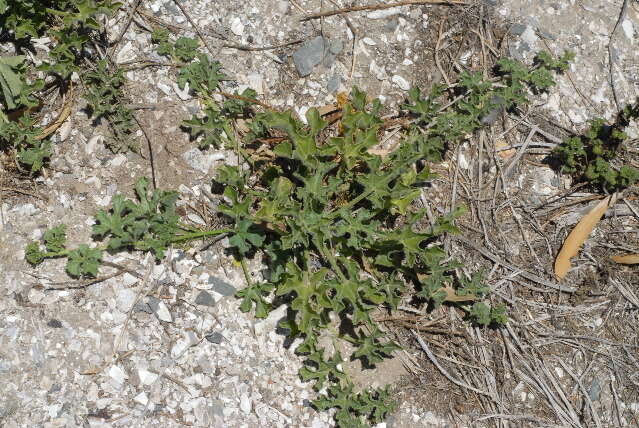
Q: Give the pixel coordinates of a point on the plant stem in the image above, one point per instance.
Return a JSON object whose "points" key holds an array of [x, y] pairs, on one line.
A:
{"points": [[247, 276], [199, 234]]}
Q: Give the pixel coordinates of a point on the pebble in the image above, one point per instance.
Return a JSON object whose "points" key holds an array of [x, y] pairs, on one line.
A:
{"points": [[308, 56], [216, 338], [141, 398], [54, 323], [336, 46], [117, 374], [160, 310], [245, 404], [128, 280], [25, 210], [237, 27], [401, 82], [142, 307], [628, 29], [196, 219], [127, 53], [528, 36], [595, 389], [222, 287], [204, 298], [333, 83], [378, 71], [126, 299], [147, 377], [197, 160]]}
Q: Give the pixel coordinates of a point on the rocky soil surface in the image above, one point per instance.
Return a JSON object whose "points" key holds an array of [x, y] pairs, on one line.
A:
{"points": [[165, 345]]}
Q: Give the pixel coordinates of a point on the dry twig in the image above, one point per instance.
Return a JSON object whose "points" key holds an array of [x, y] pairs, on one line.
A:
{"points": [[381, 7]]}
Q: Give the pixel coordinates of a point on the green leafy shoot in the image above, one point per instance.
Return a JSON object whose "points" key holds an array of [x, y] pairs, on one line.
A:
{"points": [[71, 25], [105, 96], [149, 223], [23, 137], [324, 211], [184, 49], [589, 157]]}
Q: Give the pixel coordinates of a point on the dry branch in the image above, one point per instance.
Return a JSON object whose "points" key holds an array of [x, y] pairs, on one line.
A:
{"points": [[381, 6]]}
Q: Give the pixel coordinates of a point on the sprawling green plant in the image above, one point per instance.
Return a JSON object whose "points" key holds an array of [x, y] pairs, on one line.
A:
{"points": [[335, 223], [588, 157]]}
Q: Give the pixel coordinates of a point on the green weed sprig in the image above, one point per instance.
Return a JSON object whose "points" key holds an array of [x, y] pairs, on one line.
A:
{"points": [[105, 95], [588, 157], [70, 25], [148, 224]]}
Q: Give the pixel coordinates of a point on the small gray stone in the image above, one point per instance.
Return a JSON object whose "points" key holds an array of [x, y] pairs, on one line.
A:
{"points": [[142, 307], [205, 299], [197, 160], [54, 323], [172, 9], [221, 286], [333, 83], [309, 55], [336, 46], [153, 303], [595, 390], [391, 25], [214, 338], [518, 52], [329, 60], [126, 297], [159, 309], [192, 108], [390, 421], [517, 29]]}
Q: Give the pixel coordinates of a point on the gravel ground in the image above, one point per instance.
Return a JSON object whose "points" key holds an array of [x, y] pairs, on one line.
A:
{"points": [[165, 345]]}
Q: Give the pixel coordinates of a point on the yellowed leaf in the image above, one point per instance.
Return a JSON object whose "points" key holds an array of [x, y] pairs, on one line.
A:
{"points": [[342, 99], [628, 259], [579, 234], [501, 144], [64, 114]]}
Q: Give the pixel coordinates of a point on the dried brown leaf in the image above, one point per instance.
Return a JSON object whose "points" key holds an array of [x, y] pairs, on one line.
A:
{"points": [[628, 259], [452, 296], [579, 234]]}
